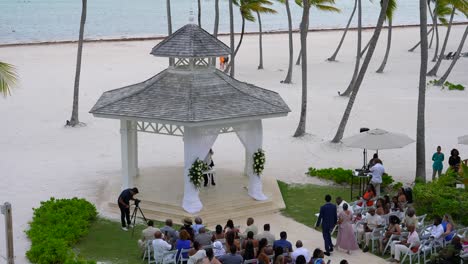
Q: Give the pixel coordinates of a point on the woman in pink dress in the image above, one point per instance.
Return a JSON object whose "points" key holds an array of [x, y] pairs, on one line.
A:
{"points": [[346, 239]]}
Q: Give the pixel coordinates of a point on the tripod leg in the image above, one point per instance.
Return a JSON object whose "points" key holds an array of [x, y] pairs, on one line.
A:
{"points": [[133, 220], [142, 214]]}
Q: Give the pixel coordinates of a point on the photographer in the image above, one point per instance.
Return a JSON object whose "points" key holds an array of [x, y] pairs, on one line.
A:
{"points": [[124, 206]]}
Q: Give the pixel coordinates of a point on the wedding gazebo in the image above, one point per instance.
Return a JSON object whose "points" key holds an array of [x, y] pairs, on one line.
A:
{"points": [[194, 100]]}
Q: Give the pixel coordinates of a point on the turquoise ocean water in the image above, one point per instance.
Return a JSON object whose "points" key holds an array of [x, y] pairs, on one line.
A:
{"points": [[55, 20]]}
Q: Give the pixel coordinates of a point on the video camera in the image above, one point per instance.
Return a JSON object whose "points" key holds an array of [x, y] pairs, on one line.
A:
{"points": [[137, 202]]}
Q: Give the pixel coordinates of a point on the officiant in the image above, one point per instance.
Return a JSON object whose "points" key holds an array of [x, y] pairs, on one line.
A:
{"points": [[210, 163]]}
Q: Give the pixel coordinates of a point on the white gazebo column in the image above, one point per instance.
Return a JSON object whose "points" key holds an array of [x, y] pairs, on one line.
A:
{"points": [[128, 158], [134, 149]]}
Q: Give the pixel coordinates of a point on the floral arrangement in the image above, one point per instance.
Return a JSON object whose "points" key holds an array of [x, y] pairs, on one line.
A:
{"points": [[196, 173], [259, 161]]}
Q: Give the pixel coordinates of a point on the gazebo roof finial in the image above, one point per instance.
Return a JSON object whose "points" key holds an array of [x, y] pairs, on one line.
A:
{"points": [[191, 17]]}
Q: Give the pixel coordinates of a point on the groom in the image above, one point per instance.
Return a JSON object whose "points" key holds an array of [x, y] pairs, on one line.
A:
{"points": [[328, 219]]}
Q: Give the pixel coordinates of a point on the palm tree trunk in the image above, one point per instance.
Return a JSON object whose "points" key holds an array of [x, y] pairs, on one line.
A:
{"points": [[432, 17], [389, 44], [169, 26], [300, 131], [333, 57], [419, 43], [216, 21], [228, 67], [420, 122], [436, 28], [362, 72], [260, 63], [298, 61], [365, 49], [288, 78], [433, 71], [74, 120], [357, 64], [199, 13], [455, 59], [231, 26]]}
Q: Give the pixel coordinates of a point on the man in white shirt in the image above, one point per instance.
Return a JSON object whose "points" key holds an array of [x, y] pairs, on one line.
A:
{"points": [[147, 235], [250, 227], [373, 220], [266, 234], [377, 172], [300, 251], [339, 205], [160, 247], [404, 247], [437, 230]]}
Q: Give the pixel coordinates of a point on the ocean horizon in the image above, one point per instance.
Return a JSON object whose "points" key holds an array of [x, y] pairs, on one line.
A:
{"points": [[29, 21]]}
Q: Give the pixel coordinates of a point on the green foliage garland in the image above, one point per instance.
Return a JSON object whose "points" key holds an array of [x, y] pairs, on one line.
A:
{"points": [[58, 224], [196, 173], [259, 161]]}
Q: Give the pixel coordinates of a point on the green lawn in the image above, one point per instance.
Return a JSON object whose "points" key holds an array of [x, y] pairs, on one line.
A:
{"points": [[106, 242], [303, 201]]}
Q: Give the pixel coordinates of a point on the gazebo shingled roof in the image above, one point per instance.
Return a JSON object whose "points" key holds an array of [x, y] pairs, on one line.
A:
{"points": [[177, 96], [190, 41]]}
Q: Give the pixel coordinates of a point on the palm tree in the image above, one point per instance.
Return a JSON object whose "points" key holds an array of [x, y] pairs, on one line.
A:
{"points": [[390, 10], [216, 21], [169, 25], [333, 57], [454, 61], [441, 10], [362, 72], [420, 122], [432, 17], [74, 117], [288, 78], [419, 43], [300, 131], [8, 78], [231, 34], [433, 71], [357, 64], [199, 13], [260, 64], [246, 8]]}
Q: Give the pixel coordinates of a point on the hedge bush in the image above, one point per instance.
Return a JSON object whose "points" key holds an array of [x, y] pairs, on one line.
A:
{"points": [[343, 176], [440, 197], [58, 224]]}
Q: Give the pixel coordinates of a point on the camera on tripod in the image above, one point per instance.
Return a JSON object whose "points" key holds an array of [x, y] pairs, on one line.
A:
{"points": [[137, 202]]}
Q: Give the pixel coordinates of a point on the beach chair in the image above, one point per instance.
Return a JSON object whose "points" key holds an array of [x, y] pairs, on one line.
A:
{"points": [[448, 56]]}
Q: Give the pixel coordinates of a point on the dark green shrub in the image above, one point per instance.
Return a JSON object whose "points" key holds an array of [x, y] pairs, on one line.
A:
{"points": [[57, 224], [440, 197], [342, 176]]}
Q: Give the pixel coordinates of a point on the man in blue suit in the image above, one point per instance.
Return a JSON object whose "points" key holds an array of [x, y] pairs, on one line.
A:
{"points": [[328, 219]]}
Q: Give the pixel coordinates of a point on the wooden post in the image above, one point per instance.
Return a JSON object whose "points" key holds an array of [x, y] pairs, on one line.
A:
{"points": [[6, 210]]}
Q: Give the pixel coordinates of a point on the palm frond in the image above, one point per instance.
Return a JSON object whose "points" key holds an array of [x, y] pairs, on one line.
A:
{"points": [[391, 8], [322, 5], [8, 78], [327, 8]]}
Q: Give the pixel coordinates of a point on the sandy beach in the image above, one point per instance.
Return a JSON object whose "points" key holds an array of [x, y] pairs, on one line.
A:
{"points": [[40, 158]]}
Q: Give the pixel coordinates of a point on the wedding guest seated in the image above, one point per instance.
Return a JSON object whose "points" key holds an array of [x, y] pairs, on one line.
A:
{"points": [[210, 257], [372, 221], [380, 209], [282, 242], [249, 250], [317, 257], [219, 233], [410, 218], [368, 196], [300, 260], [197, 253], [147, 235], [300, 251], [398, 249], [392, 229], [230, 227], [339, 205], [450, 253], [250, 238], [280, 257], [396, 206], [203, 238], [170, 234], [198, 224], [218, 249], [387, 203], [448, 226], [266, 234], [262, 256], [231, 240], [250, 227], [183, 243], [160, 247], [232, 257], [402, 199], [188, 227]]}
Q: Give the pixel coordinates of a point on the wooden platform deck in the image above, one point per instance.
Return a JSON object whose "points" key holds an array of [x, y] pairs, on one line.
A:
{"points": [[161, 191]]}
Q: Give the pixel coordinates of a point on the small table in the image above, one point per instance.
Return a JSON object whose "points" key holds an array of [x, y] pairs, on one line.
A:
{"points": [[363, 178]]}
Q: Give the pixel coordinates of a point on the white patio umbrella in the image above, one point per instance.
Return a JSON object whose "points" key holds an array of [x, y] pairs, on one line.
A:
{"points": [[463, 140], [377, 139]]}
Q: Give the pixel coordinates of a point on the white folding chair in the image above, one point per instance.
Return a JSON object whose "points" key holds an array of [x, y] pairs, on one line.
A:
{"points": [[375, 235], [421, 219], [148, 252], [316, 221], [410, 254], [169, 257], [183, 259], [250, 261]]}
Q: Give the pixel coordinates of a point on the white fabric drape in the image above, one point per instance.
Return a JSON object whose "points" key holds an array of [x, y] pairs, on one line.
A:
{"points": [[251, 136], [197, 143]]}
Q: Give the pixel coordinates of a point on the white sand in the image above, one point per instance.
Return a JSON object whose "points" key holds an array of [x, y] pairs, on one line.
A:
{"points": [[40, 158]]}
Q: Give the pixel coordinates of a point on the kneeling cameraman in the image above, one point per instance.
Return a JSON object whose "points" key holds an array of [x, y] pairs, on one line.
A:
{"points": [[124, 206]]}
